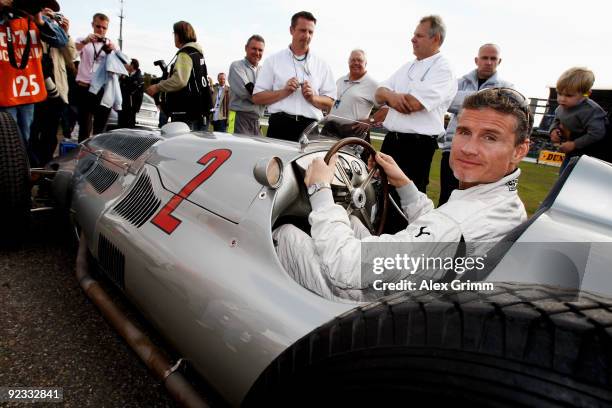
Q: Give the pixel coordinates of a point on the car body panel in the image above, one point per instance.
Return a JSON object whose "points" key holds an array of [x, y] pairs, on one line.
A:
{"points": [[213, 286], [200, 263], [570, 244]]}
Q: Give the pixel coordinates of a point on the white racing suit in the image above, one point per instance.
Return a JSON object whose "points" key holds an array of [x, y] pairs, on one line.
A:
{"points": [[329, 262]]}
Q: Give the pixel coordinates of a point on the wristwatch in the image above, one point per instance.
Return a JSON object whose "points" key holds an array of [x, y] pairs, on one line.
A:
{"points": [[313, 188]]}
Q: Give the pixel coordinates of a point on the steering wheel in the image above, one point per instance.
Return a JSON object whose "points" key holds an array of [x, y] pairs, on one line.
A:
{"points": [[357, 191]]}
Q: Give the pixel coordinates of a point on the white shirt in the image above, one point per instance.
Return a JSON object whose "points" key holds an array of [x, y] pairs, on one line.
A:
{"points": [[432, 82], [282, 66], [355, 98]]}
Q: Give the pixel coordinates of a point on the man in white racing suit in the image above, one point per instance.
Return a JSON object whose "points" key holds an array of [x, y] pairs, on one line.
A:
{"points": [[492, 137]]}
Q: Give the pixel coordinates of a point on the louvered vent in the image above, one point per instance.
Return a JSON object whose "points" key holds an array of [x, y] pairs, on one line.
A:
{"points": [[112, 261], [140, 203], [101, 178], [126, 145]]}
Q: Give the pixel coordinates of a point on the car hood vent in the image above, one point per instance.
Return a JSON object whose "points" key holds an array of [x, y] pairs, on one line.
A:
{"points": [[101, 178], [127, 145], [140, 203], [112, 261]]}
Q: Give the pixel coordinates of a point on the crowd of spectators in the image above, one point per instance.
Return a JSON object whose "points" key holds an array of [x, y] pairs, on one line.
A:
{"points": [[50, 80], [59, 82]]}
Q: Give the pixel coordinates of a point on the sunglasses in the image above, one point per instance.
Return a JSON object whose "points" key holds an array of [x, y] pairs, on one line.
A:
{"points": [[514, 97]]}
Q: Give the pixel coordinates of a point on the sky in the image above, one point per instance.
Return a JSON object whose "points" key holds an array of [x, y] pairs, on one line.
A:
{"points": [[539, 39]]}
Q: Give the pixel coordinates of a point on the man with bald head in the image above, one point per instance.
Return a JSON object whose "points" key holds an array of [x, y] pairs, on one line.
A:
{"points": [[484, 76]]}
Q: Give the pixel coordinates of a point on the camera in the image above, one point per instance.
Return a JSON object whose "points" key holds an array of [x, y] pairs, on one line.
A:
{"points": [[59, 17], [159, 99], [164, 68], [101, 39]]}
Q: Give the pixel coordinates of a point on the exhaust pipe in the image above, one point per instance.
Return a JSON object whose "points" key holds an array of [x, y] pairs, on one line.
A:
{"points": [[155, 360]]}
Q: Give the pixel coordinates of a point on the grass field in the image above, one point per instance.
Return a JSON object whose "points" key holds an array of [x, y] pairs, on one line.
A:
{"points": [[534, 184]]}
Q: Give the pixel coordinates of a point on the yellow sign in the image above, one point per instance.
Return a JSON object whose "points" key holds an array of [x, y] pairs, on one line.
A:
{"points": [[551, 158]]}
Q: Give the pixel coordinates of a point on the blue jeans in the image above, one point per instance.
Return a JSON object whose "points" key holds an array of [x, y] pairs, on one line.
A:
{"points": [[23, 115], [220, 125]]}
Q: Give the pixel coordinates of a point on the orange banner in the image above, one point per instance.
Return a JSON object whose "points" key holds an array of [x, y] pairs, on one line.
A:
{"points": [[21, 86]]}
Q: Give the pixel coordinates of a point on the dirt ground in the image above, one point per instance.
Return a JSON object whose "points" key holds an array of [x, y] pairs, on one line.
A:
{"points": [[51, 335]]}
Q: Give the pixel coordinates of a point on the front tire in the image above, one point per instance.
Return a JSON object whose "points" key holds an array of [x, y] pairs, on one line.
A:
{"points": [[520, 345], [15, 193]]}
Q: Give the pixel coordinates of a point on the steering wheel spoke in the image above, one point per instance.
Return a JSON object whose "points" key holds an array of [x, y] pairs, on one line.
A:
{"points": [[365, 214], [368, 179], [357, 195], [345, 177]]}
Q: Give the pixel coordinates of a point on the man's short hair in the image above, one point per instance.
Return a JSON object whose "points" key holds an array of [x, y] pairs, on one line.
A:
{"points": [[576, 80], [506, 101], [255, 37], [365, 56], [302, 14], [100, 16], [185, 32], [135, 64], [436, 26]]}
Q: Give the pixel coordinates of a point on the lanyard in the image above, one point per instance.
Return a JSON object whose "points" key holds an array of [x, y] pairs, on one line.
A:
{"points": [[96, 53], [305, 69], [11, 51], [350, 85]]}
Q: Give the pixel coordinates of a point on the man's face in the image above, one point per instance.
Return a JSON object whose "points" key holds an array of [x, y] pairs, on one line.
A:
{"points": [[100, 27], [569, 99], [254, 51], [422, 45], [357, 64], [221, 79], [302, 33], [487, 61], [484, 148]]}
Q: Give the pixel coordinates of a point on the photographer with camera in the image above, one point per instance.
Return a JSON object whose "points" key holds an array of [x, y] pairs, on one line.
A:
{"points": [[47, 115], [187, 90], [24, 27], [132, 88], [93, 50]]}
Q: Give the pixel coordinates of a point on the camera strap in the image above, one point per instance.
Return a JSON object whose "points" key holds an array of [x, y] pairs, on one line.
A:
{"points": [[96, 53], [11, 49]]}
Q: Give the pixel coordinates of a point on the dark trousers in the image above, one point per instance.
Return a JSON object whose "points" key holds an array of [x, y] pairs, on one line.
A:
{"points": [[43, 134], [90, 111], [195, 123], [127, 118], [69, 119], [413, 154], [287, 127], [448, 182], [220, 125]]}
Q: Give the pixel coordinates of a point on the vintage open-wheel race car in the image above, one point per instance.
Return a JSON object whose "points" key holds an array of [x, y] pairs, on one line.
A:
{"points": [[182, 223]]}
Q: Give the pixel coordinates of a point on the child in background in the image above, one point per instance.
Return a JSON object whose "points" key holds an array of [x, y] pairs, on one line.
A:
{"points": [[580, 123]]}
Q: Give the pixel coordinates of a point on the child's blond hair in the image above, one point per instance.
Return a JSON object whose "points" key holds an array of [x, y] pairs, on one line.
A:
{"points": [[576, 80]]}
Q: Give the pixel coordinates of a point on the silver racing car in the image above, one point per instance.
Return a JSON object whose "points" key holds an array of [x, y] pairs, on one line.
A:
{"points": [[182, 223]]}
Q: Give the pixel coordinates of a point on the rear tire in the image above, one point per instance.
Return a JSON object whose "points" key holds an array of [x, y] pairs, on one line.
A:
{"points": [[15, 192], [520, 345]]}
